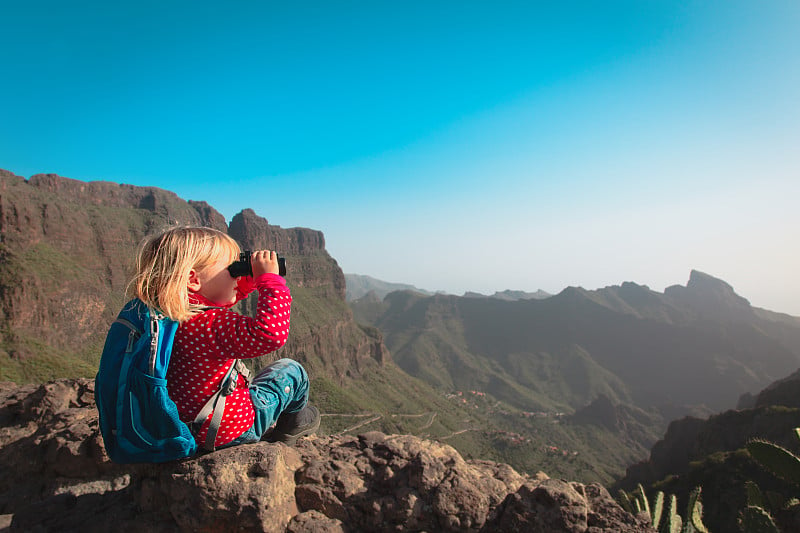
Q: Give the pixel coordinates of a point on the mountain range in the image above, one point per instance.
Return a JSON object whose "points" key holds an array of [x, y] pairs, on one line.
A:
{"points": [[699, 345], [359, 285]]}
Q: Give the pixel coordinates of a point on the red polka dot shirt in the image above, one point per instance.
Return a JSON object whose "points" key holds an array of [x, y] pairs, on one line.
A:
{"points": [[207, 345]]}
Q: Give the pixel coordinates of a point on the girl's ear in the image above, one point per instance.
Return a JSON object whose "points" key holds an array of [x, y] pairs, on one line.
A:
{"points": [[194, 281]]}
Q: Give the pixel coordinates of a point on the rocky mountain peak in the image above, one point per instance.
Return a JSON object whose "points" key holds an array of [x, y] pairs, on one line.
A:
{"points": [[702, 282], [254, 232], [710, 296]]}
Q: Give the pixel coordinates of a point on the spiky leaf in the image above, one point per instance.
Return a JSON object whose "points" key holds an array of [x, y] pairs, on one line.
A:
{"points": [[694, 513], [777, 459], [658, 509], [757, 520], [641, 497], [625, 501], [672, 522], [754, 496]]}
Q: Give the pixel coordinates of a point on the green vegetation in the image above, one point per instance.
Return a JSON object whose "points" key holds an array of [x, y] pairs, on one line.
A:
{"points": [[666, 519], [313, 307], [51, 265], [754, 519], [782, 463], [627, 343], [437, 339], [25, 359], [776, 459], [730, 481], [389, 401]]}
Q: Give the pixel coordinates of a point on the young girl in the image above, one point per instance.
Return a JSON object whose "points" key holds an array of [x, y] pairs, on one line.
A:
{"points": [[183, 273]]}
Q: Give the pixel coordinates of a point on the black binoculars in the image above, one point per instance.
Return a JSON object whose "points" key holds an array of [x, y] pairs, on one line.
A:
{"points": [[242, 267]]}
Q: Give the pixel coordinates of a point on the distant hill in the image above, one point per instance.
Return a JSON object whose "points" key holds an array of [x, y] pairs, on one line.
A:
{"points": [[359, 285], [511, 296]]}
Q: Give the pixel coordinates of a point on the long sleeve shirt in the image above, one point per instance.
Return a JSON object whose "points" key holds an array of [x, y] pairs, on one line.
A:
{"points": [[207, 345]]}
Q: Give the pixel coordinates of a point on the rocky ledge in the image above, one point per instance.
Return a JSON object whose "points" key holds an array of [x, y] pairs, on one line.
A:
{"points": [[55, 476]]}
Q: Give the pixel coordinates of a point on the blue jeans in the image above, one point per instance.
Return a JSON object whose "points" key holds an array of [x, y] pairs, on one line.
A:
{"points": [[282, 387]]}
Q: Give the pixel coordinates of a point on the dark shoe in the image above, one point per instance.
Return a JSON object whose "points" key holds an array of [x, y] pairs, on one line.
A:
{"points": [[292, 426]]}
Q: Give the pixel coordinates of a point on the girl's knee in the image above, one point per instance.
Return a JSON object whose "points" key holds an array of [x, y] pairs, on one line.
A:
{"points": [[292, 368]]}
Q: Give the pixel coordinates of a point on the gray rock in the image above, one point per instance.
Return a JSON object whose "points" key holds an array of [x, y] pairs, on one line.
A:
{"points": [[557, 505]]}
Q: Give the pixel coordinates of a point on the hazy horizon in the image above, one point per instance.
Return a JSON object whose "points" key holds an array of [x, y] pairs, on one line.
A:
{"points": [[462, 293], [455, 146]]}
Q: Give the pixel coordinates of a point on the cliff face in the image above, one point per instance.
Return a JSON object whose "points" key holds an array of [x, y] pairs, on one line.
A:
{"points": [[65, 257], [324, 335], [55, 476], [784, 392], [66, 247], [315, 267]]}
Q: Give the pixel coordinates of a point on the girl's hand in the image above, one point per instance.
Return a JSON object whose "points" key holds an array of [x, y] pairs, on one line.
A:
{"points": [[264, 262]]}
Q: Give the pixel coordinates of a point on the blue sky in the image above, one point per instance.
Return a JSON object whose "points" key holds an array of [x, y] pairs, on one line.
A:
{"points": [[455, 146]]}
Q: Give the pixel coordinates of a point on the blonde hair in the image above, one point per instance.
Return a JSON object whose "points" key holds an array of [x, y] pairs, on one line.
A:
{"points": [[164, 261]]}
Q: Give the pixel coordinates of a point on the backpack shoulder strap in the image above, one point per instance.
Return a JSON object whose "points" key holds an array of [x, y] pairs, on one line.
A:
{"points": [[242, 370], [216, 404]]}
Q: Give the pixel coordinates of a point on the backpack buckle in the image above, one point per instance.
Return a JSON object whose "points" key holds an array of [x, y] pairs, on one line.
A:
{"points": [[230, 384]]}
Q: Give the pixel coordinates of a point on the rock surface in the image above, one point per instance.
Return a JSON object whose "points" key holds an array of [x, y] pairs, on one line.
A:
{"points": [[54, 475]]}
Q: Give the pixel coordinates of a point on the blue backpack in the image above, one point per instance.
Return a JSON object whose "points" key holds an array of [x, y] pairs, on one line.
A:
{"points": [[138, 420]]}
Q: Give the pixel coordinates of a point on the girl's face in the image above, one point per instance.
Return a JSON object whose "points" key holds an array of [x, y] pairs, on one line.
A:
{"points": [[215, 283]]}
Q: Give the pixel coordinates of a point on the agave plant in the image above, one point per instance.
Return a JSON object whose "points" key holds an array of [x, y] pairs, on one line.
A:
{"points": [[666, 520]]}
